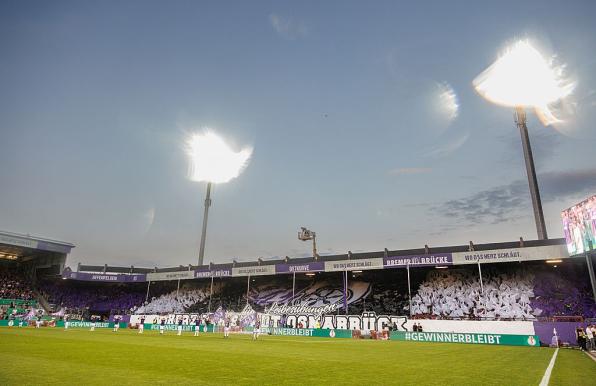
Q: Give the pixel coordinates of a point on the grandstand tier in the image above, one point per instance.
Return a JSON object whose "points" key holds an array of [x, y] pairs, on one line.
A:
{"points": [[504, 287], [24, 259]]}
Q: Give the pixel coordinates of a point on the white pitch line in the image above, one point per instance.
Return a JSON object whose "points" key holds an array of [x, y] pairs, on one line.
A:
{"points": [[592, 357], [549, 369]]}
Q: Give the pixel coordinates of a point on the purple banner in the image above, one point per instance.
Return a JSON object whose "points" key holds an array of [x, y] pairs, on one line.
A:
{"points": [[304, 267], [418, 260], [123, 318], [104, 277], [565, 331], [202, 273]]}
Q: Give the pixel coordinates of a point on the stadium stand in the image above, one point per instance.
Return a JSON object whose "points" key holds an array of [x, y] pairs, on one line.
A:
{"points": [[443, 294], [194, 297], [459, 294], [325, 289], [510, 292], [16, 294], [14, 286], [562, 293], [388, 294], [15, 307], [173, 302], [96, 297]]}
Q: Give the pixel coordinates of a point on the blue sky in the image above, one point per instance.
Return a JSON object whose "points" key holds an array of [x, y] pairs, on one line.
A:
{"points": [[338, 99]]}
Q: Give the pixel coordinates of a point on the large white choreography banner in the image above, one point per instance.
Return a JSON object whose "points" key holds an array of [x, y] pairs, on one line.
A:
{"points": [[304, 316], [284, 315]]}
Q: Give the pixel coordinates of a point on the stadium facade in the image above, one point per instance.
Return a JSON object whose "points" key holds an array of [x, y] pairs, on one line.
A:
{"points": [[36, 253]]}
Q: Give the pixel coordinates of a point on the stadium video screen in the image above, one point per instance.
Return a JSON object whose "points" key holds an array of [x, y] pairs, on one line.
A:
{"points": [[579, 226]]}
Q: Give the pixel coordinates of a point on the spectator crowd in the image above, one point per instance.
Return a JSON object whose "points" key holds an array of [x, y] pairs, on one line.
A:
{"points": [[14, 286]]}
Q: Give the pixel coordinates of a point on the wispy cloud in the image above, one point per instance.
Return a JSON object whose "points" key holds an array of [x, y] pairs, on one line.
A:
{"points": [[448, 148], [507, 202], [493, 205], [409, 171], [288, 28]]}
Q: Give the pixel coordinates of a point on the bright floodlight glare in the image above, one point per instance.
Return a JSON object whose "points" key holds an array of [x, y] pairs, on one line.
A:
{"points": [[212, 160], [522, 77]]}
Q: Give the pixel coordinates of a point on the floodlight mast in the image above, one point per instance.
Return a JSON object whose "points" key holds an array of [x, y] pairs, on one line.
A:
{"points": [[205, 217], [213, 161], [520, 121], [522, 78]]}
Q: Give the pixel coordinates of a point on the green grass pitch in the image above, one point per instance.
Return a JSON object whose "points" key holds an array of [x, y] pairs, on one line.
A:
{"points": [[80, 357]]}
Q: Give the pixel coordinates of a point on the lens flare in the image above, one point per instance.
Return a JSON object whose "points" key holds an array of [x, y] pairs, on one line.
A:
{"points": [[446, 101], [577, 114], [522, 77], [212, 160], [149, 219]]}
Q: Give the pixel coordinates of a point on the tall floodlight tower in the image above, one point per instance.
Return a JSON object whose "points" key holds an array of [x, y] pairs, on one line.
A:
{"points": [[213, 161], [520, 120], [522, 78]]}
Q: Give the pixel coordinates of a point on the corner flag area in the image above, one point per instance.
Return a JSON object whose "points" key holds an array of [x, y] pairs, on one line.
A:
{"points": [[127, 357]]}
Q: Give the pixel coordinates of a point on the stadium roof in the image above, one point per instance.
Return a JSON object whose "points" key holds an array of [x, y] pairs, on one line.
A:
{"points": [[18, 247], [347, 256]]}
